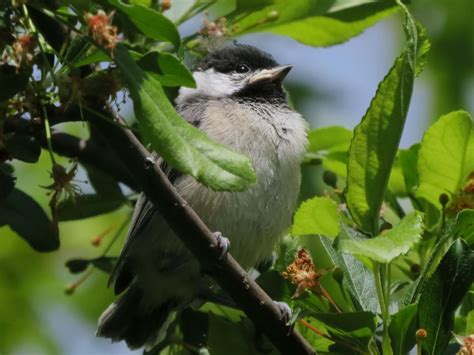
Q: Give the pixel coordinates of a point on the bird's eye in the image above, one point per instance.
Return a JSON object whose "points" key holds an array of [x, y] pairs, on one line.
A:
{"points": [[241, 68]]}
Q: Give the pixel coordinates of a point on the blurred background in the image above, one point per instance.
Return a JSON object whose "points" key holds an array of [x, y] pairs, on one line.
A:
{"points": [[330, 86]]}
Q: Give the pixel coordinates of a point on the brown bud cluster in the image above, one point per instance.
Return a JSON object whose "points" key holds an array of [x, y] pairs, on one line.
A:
{"points": [[214, 29], [101, 29]]}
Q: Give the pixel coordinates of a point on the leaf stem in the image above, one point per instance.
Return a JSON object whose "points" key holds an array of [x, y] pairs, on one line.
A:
{"points": [[47, 129], [381, 288]]}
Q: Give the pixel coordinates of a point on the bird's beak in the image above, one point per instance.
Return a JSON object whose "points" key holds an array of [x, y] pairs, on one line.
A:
{"points": [[271, 75]]}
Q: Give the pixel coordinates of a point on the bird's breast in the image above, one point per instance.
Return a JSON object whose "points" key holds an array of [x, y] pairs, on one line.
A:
{"points": [[253, 219]]}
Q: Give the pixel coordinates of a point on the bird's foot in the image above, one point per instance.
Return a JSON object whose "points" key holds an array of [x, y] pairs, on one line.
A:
{"points": [[285, 310], [223, 244]]}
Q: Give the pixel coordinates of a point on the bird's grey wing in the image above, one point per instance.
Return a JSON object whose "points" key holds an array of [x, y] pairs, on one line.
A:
{"points": [[122, 274]]}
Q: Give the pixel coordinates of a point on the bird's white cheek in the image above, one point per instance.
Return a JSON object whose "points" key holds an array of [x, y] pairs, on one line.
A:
{"points": [[209, 83]]}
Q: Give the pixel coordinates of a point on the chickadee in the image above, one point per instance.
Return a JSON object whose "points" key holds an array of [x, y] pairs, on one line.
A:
{"points": [[239, 102]]}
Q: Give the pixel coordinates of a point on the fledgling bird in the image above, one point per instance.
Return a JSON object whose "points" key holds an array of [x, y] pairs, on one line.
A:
{"points": [[239, 101]]}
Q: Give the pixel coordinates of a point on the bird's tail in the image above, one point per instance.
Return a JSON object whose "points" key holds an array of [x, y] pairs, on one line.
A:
{"points": [[129, 320]]}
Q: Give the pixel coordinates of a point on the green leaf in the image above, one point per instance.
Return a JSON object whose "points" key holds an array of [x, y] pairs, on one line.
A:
{"points": [[376, 138], [464, 226], [446, 156], [329, 139], [353, 329], [183, 146], [389, 245], [316, 23], [408, 162], [443, 293], [470, 323], [317, 216], [330, 145], [13, 80], [150, 22], [23, 147], [96, 56], [85, 206], [402, 329], [358, 279], [29, 221], [167, 69]]}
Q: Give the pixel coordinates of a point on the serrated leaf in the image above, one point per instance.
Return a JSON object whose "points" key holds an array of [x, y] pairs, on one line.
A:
{"points": [[167, 69], [85, 206], [446, 156], [389, 245], [312, 22], [358, 279], [183, 146], [317, 216], [443, 293], [13, 80], [376, 138], [150, 22], [25, 216], [402, 329]]}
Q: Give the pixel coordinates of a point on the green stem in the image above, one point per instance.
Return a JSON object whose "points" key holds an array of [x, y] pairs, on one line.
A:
{"points": [[47, 129], [380, 286]]}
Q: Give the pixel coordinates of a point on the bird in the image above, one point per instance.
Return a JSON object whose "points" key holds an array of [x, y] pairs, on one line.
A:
{"points": [[238, 101]]}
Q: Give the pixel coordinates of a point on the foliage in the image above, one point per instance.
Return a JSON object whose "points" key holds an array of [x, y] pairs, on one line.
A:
{"points": [[405, 269]]}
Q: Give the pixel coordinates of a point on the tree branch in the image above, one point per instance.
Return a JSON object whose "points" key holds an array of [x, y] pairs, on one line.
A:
{"points": [[192, 231]]}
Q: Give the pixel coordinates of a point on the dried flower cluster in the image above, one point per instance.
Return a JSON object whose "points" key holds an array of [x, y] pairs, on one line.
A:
{"points": [[101, 29], [467, 344], [304, 274]]}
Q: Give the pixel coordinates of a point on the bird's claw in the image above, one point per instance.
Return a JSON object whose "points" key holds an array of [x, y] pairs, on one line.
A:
{"points": [[223, 244], [285, 310]]}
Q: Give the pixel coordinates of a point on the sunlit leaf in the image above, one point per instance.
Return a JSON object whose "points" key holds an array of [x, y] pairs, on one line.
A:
{"points": [[390, 244], [167, 69], [149, 21], [183, 146], [443, 293], [329, 139], [376, 138], [29, 221], [446, 156], [312, 22], [317, 216]]}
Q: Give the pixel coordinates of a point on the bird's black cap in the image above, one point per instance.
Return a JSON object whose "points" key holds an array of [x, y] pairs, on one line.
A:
{"points": [[224, 60]]}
